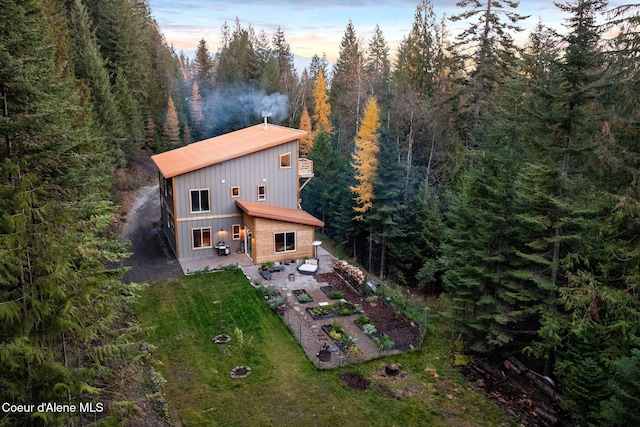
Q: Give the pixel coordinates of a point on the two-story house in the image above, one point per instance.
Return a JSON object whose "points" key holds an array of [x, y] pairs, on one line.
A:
{"points": [[241, 188]]}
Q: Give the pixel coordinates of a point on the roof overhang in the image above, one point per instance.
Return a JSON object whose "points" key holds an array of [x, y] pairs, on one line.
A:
{"points": [[261, 210]]}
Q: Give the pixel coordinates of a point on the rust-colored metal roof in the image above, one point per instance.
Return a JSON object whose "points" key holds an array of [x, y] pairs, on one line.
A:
{"points": [[261, 210], [222, 148]]}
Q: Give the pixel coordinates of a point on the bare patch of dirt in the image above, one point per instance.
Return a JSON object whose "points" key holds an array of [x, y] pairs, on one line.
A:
{"points": [[358, 382], [387, 319]]}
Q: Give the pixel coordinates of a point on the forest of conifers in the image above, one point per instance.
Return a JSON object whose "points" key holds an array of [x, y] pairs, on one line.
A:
{"points": [[503, 178]]}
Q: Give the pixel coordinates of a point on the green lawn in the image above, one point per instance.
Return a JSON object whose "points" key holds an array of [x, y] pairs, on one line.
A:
{"points": [[285, 388]]}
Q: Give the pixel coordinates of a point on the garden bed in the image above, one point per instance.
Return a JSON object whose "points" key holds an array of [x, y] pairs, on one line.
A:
{"points": [[302, 296], [331, 292], [328, 311], [388, 320], [370, 330]]}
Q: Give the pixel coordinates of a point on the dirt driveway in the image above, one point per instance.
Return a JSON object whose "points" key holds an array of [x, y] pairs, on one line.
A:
{"points": [[151, 257]]}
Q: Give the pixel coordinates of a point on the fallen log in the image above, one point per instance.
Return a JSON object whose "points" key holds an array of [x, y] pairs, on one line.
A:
{"points": [[547, 417]]}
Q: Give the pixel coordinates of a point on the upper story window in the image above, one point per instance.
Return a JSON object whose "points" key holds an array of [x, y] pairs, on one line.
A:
{"points": [[200, 200], [262, 193], [235, 192], [285, 161]]}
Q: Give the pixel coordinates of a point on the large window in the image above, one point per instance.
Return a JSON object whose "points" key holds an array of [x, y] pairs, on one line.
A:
{"points": [[201, 237], [262, 193], [200, 200], [285, 242], [285, 161]]}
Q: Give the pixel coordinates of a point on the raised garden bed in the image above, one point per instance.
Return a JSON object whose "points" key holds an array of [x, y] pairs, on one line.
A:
{"points": [[341, 309], [343, 341], [382, 340], [303, 296], [331, 292]]}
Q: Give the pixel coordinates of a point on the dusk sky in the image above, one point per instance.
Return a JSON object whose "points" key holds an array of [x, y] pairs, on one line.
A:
{"points": [[313, 27]]}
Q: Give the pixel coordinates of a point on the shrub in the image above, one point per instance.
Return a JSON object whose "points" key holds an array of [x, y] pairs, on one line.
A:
{"points": [[305, 297], [268, 291], [335, 335], [275, 302], [348, 340], [384, 343], [344, 311], [335, 295], [362, 320], [337, 326], [369, 329]]}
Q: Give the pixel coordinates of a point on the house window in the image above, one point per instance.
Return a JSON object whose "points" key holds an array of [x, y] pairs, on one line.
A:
{"points": [[235, 192], [200, 200], [285, 161], [169, 189], [285, 242], [235, 231], [262, 192], [201, 237]]}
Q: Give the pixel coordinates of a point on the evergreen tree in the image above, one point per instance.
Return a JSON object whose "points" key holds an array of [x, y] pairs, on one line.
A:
{"points": [[197, 117], [492, 52], [203, 68], [59, 303], [378, 69], [387, 213], [89, 67], [130, 110], [348, 90], [477, 252], [238, 62], [284, 58]]}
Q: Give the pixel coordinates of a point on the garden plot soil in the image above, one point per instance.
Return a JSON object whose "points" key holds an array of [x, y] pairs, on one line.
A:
{"points": [[387, 319]]}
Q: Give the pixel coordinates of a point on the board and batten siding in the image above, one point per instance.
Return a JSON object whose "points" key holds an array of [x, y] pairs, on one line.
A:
{"points": [[246, 172]]}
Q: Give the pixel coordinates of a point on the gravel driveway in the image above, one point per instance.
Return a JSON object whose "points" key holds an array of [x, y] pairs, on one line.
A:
{"points": [[151, 257]]}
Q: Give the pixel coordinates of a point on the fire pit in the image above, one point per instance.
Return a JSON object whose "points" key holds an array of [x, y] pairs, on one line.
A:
{"points": [[240, 372]]}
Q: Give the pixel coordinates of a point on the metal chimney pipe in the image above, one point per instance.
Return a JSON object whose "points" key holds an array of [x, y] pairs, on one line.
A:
{"points": [[266, 114]]}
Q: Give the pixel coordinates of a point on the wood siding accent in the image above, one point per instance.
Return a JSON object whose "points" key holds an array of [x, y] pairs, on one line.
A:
{"points": [[264, 232]]}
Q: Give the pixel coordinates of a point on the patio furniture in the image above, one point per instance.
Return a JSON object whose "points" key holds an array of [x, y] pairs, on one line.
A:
{"points": [[266, 274], [310, 267], [276, 268]]}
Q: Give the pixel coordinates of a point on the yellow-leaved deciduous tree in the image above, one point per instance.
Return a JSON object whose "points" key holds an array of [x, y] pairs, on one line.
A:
{"points": [[322, 109], [306, 142], [171, 129], [365, 159]]}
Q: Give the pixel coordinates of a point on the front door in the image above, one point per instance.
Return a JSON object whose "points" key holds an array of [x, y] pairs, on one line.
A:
{"points": [[248, 242]]}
